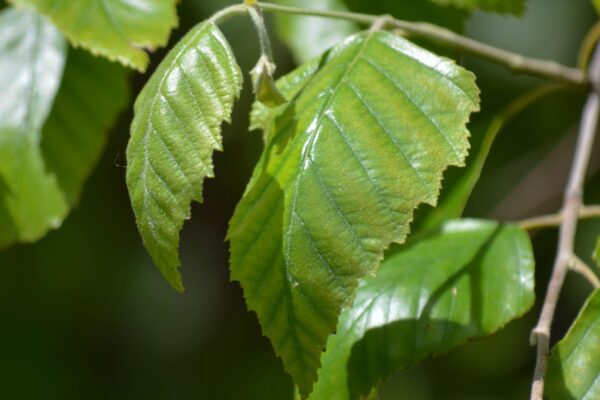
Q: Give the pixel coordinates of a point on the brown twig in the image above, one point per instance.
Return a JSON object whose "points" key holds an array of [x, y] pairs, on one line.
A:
{"points": [[570, 214], [577, 265], [514, 61], [553, 220]]}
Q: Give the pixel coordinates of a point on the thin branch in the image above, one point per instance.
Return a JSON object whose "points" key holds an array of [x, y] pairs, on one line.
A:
{"points": [[228, 12], [570, 213], [514, 61], [584, 270], [553, 220]]}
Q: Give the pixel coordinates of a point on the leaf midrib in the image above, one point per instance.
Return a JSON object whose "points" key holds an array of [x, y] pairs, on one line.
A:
{"points": [[307, 149], [149, 124]]}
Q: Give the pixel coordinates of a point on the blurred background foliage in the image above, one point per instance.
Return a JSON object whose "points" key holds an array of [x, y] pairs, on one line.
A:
{"points": [[85, 314]]}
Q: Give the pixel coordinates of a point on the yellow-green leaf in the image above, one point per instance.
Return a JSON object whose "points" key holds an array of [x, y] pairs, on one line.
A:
{"points": [[176, 128], [120, 30], [352, 155]]}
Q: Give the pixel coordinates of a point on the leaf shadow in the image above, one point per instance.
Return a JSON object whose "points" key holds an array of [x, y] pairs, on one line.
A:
{"points": [[382, 350]]}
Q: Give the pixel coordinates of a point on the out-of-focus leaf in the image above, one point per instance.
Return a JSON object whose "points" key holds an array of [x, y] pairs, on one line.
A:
{"points": [[32, 57], [414, 10], [43, 168], [574, 366], [454, 199], [503, 6], [176, 128], [93, 93], [117, 29], [465, 281], [352, 155], [596, 4], [596, 254], [307, 37], [263, 117]]}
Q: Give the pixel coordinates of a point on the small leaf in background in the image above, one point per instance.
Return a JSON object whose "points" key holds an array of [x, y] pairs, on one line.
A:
{"points": [[264, 86], [596, 254], [465, 281], [308, 37], [119, 30], [352, 155], [263, 117], [32, 58], [176, 128], [516, 7], [574, 365]]}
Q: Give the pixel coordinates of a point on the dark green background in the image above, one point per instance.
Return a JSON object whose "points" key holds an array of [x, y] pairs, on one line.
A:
{"points": [[84, 314]]}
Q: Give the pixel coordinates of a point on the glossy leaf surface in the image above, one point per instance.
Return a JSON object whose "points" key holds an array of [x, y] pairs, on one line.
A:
{"points": [[352, 155], [574, 366], [32, 57], [465, 281], [176, 128], [308, 37], [117, 29]]}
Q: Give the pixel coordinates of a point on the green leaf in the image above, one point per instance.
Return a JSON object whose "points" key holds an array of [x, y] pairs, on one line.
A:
{"points": [[516, 7], [117, 29], [465, 281], [352, 155], [414, 10], [93, 93], [262, 117], [454, 199], [32, 57], [574, 366], [176, 128], [596, 4], [50, 162], [307, 37]]}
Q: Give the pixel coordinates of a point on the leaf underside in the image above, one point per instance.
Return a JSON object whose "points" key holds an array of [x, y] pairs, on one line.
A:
{"points": [[176, 128], [574, 365], [117, 29], [433, 295], [352, 155]]}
